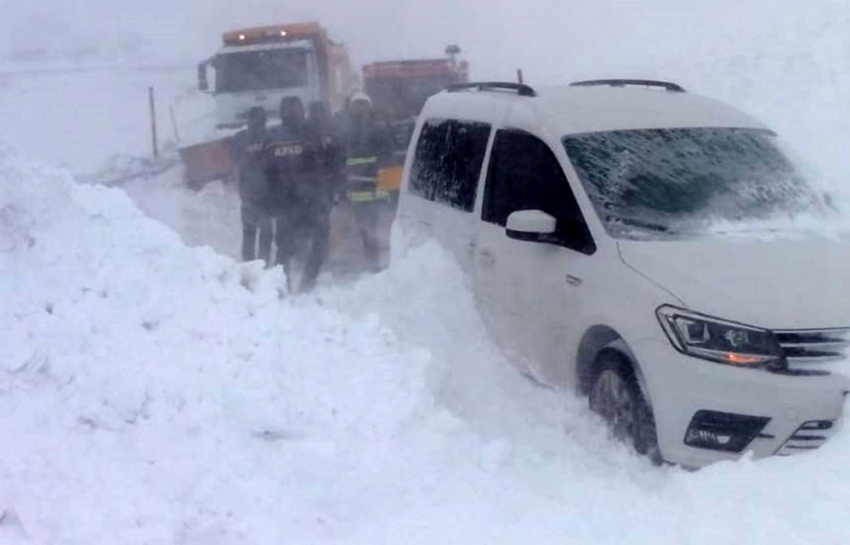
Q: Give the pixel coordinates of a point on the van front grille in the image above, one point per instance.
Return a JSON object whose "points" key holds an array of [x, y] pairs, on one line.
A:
{"points": [[814, 346]]}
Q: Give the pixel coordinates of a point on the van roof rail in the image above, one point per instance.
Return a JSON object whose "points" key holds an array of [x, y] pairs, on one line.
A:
{"points": [[673, 87], [520, 88]]}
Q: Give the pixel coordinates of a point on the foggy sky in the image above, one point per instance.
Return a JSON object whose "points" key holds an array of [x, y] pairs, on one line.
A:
{"points": [[785, 61], [778, 59], [551, 41]]}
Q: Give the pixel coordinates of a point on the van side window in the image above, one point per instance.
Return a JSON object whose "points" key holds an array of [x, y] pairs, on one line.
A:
{"points": [[447, 162], [524, 174]]}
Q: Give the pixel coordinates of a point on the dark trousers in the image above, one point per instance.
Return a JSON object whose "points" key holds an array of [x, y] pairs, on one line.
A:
{"points": [[256, 222], [295, 227], [367, 215]]}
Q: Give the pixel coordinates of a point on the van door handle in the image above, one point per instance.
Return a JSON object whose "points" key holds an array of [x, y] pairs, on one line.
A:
{"points": [[487, 258], [574, 280]]}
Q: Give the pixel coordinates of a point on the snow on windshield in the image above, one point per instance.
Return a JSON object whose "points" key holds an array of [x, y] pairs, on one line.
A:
{"points": [[678, 180]]}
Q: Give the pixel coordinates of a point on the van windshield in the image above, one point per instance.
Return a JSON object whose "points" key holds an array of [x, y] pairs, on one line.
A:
{"points": [[678, 181], [260, 70]]}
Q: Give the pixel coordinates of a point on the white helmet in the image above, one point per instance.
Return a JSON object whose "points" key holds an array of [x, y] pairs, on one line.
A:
{"points": [[360, 96]]}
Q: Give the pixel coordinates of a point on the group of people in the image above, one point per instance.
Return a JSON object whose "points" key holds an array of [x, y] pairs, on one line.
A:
{"points": [[291, 176]]}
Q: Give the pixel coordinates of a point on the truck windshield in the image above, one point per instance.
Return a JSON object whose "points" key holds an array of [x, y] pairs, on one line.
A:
{"points": [[401, 97], [261, 70], [678, 181]]}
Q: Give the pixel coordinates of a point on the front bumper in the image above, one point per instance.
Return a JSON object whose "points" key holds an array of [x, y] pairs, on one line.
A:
{"points": [[796, 408]]}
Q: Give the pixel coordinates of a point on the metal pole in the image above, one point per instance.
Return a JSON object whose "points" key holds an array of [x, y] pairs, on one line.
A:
{"points": [[153, 123], [174, 124], [519, 76]]}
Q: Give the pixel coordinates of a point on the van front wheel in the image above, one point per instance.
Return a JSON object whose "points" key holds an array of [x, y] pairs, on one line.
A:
{"points": [[616, 396]]}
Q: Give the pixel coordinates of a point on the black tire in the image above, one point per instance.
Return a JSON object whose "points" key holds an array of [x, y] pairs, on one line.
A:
{"points": [[616, 396]]}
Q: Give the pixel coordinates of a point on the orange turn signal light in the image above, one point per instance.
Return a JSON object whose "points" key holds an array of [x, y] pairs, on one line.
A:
{"points": [[743, 359]]}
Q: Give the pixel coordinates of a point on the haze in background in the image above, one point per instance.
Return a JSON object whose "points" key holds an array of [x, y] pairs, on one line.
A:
{"points": [[783, 60], [551, 42]]}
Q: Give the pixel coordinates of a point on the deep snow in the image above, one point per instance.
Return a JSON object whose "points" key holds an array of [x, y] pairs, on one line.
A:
{"points": [[152, 393]]}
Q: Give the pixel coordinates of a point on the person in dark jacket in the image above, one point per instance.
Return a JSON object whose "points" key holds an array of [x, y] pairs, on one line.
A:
{"points": [[249, 156], [366, 146], [301, 192], [331, 163]]}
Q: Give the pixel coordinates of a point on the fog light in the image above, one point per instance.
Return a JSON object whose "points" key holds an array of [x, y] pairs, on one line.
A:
{"points": [[817, 425], [725, 432]]}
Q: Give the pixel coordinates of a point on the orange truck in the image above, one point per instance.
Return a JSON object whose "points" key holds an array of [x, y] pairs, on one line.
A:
{"points": [[259, 67], [398, 90]]}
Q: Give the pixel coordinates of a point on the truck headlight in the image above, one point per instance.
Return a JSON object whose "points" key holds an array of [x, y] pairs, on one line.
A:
{"points": [[718, 340]]}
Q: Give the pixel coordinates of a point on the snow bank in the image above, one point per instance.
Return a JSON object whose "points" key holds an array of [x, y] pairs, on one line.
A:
{"points": [[209, 217], [156, 394], [138, 376]]}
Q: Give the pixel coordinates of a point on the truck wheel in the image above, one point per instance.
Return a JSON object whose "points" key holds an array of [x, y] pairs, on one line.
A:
{"points": [[616, 396]]}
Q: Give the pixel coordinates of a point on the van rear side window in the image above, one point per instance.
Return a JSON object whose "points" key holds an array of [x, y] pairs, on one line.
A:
{"points": [[447, 162]]}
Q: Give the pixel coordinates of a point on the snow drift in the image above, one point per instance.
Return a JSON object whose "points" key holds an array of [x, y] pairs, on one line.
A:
{"points": [[122, 349], [156, 394]]}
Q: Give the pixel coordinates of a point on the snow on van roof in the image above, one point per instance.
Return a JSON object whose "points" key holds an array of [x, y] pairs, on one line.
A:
{"points": [[574, 110]]}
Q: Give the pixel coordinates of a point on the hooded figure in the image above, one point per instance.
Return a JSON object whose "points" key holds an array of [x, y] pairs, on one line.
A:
{"points": [[331, 154], [249, 156], [298, 182]]}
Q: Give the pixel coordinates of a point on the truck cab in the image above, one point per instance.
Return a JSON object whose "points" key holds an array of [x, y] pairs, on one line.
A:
{"points": [[260, 66]]}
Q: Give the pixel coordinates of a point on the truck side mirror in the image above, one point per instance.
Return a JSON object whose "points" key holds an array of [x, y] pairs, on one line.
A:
{"points": [[203, 84]]}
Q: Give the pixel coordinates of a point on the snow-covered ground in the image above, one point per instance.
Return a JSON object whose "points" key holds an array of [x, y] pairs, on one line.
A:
{"points": [[155, 391]]}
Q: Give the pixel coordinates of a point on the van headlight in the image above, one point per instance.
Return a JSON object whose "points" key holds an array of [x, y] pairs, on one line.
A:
{"points": [[718, 340]]}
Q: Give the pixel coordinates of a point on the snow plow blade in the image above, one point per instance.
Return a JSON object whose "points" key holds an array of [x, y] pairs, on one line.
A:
{"points": [[207, 162]]}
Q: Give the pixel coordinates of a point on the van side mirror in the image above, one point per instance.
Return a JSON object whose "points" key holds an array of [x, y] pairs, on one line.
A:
{"points": [[203, 84], [531, 225]]}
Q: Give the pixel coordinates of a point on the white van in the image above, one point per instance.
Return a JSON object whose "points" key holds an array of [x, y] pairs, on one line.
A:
{"points": [[594, 221]]}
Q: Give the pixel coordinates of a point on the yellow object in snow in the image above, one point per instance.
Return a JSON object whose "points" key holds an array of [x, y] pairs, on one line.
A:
{"points": [[389, 178]]}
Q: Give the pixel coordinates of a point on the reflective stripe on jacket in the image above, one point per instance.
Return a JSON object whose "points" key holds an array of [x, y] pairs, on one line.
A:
{"points": [[363, 180], [357, 161], [368, 196]]}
